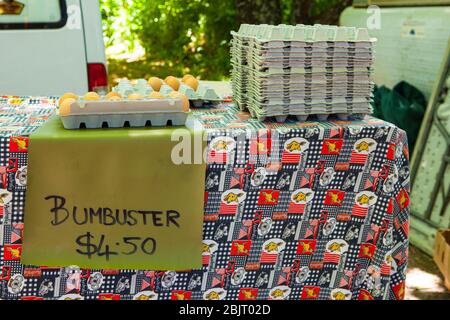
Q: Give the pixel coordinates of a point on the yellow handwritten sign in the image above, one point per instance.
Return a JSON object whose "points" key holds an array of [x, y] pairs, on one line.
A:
{"points": [[111, 199]]}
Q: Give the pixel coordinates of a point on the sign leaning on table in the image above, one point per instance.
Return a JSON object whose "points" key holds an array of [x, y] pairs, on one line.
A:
{"points": [[327, 220], [113, 198]]}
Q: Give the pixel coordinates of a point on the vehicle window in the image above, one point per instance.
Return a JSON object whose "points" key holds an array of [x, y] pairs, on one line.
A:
{"points": [[32, 14]]}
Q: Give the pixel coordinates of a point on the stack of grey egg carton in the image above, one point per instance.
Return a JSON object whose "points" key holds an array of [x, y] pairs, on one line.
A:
{"points": [[279, 71]]}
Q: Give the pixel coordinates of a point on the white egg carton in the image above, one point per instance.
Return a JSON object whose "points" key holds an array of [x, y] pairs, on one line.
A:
{"points": [[125, 113], [126, 87], [204, 96]]}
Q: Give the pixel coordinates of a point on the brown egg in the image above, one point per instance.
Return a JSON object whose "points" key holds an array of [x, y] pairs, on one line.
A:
{"points": [[173, 82], [193, 83], [64, 107], [92, 96], [156, 95], [155, 83], [113, 96], [183, 97], [135, 96], [66, 96], [187, 77]]}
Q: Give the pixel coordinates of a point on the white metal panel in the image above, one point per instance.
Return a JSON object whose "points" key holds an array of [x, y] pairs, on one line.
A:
{"points": [[411, 43], [35, 11], [95, 47], [44, 61]]}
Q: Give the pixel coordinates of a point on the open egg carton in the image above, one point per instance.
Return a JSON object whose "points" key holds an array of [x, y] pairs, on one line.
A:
{"points": [[113, 111], [199, 94], [302, 71]]}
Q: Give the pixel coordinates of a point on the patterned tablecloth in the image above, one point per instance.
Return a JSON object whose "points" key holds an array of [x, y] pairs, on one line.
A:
{"points": [[292, 211]]}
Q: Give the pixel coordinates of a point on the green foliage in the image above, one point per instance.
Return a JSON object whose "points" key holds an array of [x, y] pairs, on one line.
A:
{"points": [[119, 22], [188, 36], [192, 36]]}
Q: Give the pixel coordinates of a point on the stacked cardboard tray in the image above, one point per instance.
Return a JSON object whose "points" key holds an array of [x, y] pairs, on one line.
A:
{"points": [[278, 71]]}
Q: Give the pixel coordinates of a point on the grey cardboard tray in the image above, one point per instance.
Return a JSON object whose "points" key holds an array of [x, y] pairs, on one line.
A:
{"points": [[125, 113], [124, 120], [302, 70]]}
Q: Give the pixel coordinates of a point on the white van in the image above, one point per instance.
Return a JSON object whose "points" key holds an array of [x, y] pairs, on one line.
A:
{"points": [[49, 47]]}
